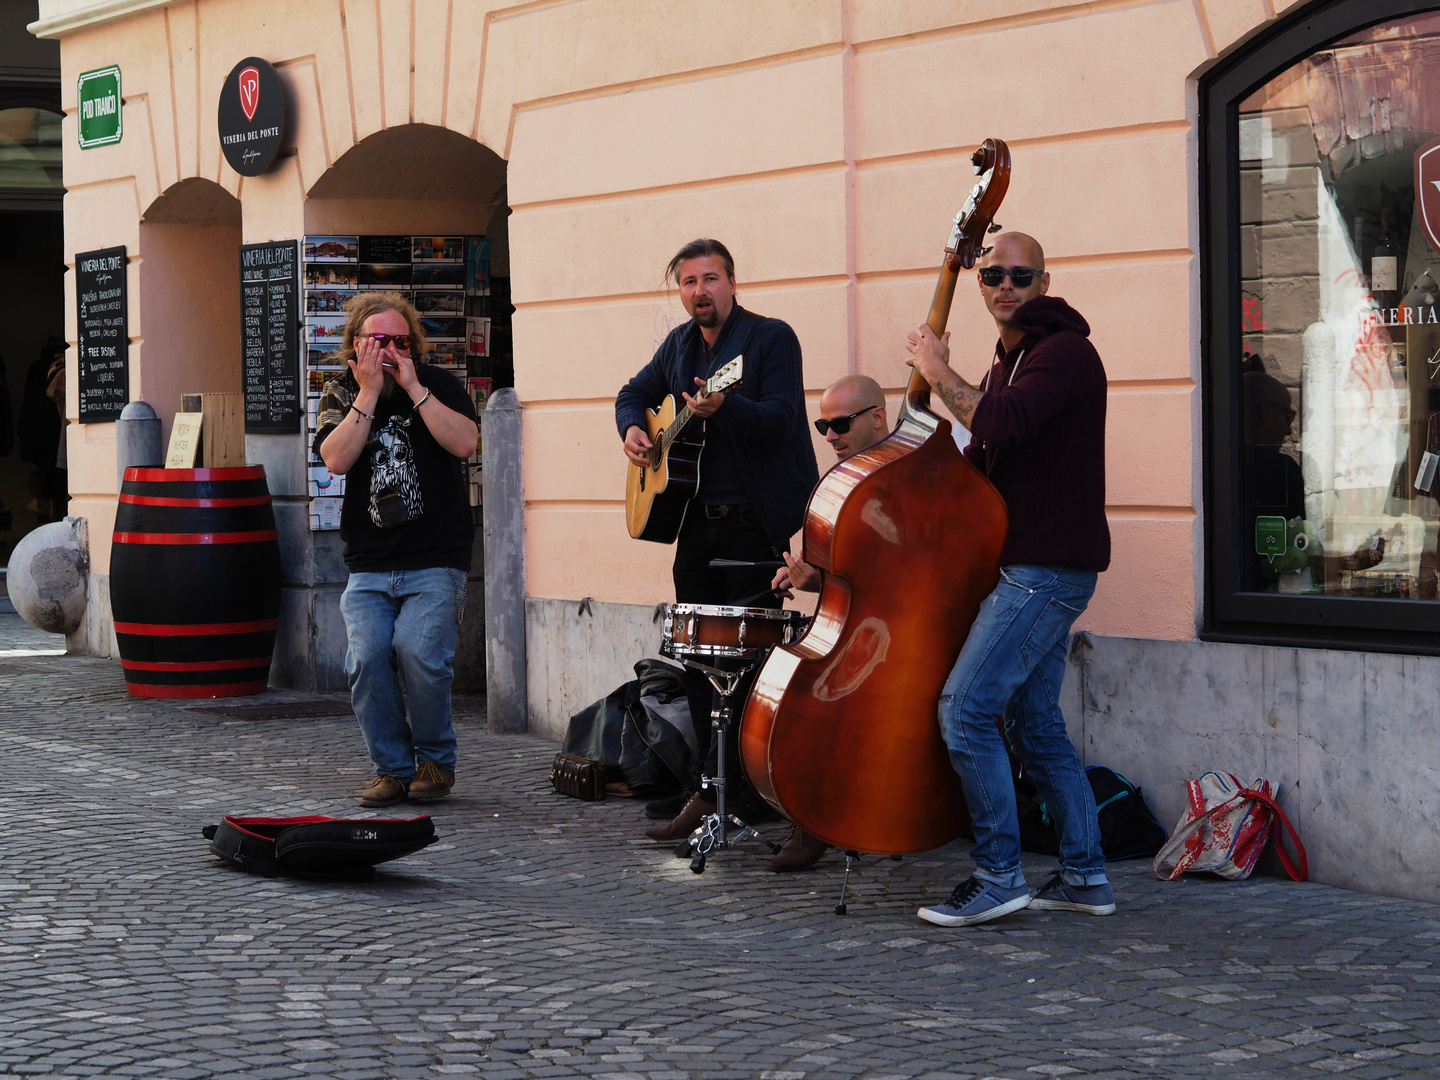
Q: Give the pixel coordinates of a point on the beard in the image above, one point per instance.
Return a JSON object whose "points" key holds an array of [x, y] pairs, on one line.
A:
{"points": [[391, 388], [708, 317]]}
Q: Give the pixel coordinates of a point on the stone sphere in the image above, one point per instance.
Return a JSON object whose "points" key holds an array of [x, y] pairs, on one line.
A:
{"points": [[46, 578]]}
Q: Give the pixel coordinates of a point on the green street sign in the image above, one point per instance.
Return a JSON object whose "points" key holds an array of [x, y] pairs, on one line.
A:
{"points": [[99, 112]]}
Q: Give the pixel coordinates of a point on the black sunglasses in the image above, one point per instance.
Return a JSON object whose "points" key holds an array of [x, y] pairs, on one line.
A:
{"points": [[841, 424], [1022, 276], [402, 341]]}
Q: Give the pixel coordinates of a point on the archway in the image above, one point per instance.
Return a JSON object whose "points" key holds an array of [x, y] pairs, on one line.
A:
{"points": [[395, 194], [189, 297]]}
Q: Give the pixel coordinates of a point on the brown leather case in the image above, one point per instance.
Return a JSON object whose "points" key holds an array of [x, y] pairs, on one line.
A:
{"points": [[578, 777]]}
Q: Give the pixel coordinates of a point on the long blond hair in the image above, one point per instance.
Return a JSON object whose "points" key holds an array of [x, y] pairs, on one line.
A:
{"points": [[362, 305]]}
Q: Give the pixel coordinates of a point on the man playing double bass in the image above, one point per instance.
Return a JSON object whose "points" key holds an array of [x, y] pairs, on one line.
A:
{"points": [[757, 468], [1037, 422]]}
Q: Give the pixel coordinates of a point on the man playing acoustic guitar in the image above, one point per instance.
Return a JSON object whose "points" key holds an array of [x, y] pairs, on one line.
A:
{"points": [[757, 468], [1037, 422]]}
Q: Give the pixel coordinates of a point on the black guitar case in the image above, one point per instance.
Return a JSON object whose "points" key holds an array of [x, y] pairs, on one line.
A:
{"points": [[338, 849]]}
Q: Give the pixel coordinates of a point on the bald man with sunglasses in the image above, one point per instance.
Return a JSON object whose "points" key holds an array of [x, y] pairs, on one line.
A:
{"points": [[852, 417], [1037, 421]]}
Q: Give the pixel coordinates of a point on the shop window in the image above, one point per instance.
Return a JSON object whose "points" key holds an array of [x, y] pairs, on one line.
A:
{"points": [[30, 150], [1322, 283]]}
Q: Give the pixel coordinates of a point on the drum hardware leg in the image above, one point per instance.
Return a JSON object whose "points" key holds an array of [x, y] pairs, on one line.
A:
{"points": [[850, 857], [721, 829]]}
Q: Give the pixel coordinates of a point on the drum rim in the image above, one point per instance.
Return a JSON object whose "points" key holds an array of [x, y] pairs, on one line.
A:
{"points": [[724, 611], [732, 652]]}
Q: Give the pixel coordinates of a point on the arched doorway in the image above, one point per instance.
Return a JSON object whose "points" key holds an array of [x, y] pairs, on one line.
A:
{"points": [[422, 209], [32, 281], [190, 298]]}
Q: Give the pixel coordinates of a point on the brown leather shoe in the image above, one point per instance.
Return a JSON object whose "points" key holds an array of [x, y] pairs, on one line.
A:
{"points": [[432, 782], [383, 791], [800, 852], [683, 823]]}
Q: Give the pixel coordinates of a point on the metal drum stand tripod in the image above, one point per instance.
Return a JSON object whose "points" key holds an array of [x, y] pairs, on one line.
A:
{"points": [[703, 636], [721, 829]]}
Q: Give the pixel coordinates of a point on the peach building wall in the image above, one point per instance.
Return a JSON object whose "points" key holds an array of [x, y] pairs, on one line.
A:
{"points": [[826, 141], [831, 163]]}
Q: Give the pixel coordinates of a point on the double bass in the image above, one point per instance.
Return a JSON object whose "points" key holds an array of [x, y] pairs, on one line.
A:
{"points": [[840, 732]]}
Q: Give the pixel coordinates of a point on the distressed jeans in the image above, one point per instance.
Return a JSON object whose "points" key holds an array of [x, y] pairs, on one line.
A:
{"points": [[1012, 665], [402, 624]]}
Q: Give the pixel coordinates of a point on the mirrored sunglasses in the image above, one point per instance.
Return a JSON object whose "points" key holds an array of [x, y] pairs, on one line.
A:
{"points": [[402, 341]]}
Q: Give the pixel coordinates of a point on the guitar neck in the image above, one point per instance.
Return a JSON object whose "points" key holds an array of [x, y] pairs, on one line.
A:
{"points": [[671, 433]]}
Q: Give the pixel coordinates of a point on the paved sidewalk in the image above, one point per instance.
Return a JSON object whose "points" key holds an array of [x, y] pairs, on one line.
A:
{"points": [[543, 937]]}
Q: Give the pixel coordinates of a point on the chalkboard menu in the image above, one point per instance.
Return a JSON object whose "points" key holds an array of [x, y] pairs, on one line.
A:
{"points": [[104, 348], [270, 332]]}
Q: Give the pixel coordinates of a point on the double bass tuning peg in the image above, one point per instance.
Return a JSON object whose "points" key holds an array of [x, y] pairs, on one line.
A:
{"points": [[995, 227]]}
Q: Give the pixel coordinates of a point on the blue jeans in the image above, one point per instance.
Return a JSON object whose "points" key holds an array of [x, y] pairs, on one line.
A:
{"points": [[1012, 665], [403, 622]]}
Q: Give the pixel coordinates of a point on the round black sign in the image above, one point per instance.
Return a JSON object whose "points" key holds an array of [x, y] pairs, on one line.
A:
{"points": [[252, 116]]}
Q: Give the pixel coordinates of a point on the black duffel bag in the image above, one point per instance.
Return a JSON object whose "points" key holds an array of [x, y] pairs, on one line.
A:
{"points": [[641, 732], [338, 849]]}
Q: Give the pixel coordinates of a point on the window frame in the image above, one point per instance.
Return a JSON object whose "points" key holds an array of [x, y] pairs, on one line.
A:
{"points": [[1368, 623]]}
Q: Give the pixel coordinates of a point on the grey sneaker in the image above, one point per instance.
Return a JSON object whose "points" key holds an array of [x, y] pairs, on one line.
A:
{"points": [[975, 901], [1059, 895]]}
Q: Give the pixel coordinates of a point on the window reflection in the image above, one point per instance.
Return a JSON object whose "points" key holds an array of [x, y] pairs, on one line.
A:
{"points": [[1339, 373], [30, 150]]}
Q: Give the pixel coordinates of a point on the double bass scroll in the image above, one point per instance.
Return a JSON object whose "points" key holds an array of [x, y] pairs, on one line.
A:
{"points": [[840, 732]]}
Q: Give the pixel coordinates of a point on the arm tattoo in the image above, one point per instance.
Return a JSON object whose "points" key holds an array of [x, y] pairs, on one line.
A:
{"points": [[959, 396]]}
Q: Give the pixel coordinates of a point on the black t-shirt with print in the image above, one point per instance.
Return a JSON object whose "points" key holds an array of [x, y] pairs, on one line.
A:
{"points": [[427, 477]]}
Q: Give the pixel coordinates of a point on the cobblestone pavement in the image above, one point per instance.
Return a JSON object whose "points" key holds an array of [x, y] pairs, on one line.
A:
{"points": [[542, 937]]}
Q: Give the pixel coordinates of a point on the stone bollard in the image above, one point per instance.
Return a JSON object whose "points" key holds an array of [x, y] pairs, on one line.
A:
{"points": [[506, 694], [46, 576], [137, 440]]}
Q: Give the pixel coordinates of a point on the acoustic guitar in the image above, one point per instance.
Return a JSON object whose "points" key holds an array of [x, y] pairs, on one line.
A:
{"points": [[657, 493]]}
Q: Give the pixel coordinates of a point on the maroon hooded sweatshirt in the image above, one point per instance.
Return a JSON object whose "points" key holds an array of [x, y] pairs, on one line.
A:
{"points": [[1039, 435]]}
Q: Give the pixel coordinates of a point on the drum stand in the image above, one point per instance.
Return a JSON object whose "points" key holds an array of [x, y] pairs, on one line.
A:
{"points": [[721, 829]]}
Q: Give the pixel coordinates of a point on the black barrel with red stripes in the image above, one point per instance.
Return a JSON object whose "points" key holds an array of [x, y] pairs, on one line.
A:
{"points": [[195, 581]]}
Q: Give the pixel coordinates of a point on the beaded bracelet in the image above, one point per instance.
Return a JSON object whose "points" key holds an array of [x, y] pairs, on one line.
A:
{"points": [[368, 416]]}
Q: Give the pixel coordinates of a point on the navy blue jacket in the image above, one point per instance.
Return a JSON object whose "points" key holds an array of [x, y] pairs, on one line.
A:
{"points": [[763, 418]]}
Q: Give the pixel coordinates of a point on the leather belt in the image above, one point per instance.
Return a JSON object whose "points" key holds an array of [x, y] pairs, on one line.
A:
{"points": [[714, 513]]}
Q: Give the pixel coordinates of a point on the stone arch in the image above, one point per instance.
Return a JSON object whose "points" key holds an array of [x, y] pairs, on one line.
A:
{"points": [[413, 178], [189, 309]]}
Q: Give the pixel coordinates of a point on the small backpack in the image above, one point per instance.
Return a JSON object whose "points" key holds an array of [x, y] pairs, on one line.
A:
{"points": [[341, 849], [1128, 829]]}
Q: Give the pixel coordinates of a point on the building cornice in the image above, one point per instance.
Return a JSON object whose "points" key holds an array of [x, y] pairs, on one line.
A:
{"points": [[61, 17]]}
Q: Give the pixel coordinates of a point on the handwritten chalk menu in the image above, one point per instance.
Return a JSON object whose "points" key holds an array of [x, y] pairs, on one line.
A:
{"points": [[270, 335], [104, 334]]}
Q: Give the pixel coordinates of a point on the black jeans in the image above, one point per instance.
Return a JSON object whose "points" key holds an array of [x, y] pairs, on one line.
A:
{"points": [[736, 536]]}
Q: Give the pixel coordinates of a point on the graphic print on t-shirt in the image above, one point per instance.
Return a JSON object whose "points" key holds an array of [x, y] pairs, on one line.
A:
{"points": [[392, 470]]}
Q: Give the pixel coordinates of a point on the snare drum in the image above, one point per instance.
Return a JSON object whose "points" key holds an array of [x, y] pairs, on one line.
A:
{"points": [[708, 630]]}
